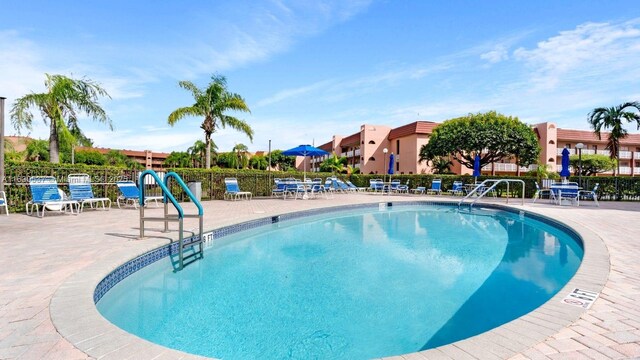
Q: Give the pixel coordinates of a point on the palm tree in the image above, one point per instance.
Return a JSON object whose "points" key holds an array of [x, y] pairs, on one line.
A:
{"points": [[59, 106], [333, 164], [441, 165], [211, 103], [241, 153], [612, 118], [198, 152]]}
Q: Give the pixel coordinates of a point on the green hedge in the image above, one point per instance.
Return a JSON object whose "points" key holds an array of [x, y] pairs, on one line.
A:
{"points": [[260, 182]]}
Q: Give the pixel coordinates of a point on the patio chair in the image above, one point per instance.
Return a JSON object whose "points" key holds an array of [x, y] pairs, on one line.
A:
{"points": [[419, 190], [457, 188], [403, 188], [3, 202], [376, 185], [339, 184], [233, 190], [565, 191], [130, 195], [46, 195], [353, 187], [81, 191], [436, 187], [280, 189], [587, 194], [539, 192], [317, 189], [394, 185]]}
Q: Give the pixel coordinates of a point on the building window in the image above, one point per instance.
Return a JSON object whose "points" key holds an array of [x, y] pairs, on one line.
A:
{"points": [[551, 142], [371, 142], [398, 146], [551, 160], [397, 166], [372, 159], [568, 146]]}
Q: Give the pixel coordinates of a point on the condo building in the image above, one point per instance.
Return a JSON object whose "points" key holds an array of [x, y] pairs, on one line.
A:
{"points": [[369, 150]]}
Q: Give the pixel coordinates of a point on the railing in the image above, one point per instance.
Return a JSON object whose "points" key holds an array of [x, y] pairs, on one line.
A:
{"points": [[179, 217], [482, 189], [625, 170], [624, 154]]}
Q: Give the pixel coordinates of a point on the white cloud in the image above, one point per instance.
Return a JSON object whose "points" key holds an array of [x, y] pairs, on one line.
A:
{"points": [[498, 54], [588, 51]]}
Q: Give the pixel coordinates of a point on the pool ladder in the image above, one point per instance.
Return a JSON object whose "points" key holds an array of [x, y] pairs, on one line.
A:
{"points": [[489, 185], [179, 217]]}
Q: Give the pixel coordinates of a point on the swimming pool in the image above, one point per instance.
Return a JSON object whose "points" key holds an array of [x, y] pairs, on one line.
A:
{"points": [[342, 285]]}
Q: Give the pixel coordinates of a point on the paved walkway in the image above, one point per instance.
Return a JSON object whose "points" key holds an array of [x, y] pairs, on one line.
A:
{"points": [[42, 257]]}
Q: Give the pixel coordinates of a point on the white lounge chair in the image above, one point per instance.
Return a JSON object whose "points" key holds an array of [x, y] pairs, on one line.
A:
{"points": [[46, 195], [81, 191], [130, 195], [233, 190]]}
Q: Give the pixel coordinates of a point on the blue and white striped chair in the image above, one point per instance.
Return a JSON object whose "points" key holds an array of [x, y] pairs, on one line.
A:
{"points": [[46, 195], [233, 190], [3, 202], [590, 194], [81, 191]]}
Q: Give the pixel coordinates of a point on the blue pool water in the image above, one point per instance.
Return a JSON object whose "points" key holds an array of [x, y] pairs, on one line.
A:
{"points": [[343, 285]]}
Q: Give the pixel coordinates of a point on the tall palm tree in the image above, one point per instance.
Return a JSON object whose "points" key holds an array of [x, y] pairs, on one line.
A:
{"points": [[241, 153], [198, 152], [59, 106], [211, 103], [612, 118]]}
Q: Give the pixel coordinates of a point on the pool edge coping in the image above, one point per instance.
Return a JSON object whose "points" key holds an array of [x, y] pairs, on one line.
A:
{"points": [[76, 318]]}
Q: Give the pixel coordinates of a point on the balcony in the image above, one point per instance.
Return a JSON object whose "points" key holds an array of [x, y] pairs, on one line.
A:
{"points": [[357, 152], [625, 170], [636, 155], [571, 151], [624, 154], [636, 171], [508, 167]]}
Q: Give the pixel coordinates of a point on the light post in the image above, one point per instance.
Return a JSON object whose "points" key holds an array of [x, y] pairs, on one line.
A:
{"points": [[384, 162], [579, 146]]}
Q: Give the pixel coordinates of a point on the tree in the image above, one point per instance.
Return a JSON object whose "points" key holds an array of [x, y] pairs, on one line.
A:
{"points": [[241, 155], [117, 158], [592, 164], [227, 160], [441, 165], [282, 162], [611, 118], [90, 157], [178, 159], [258, 162], [333, 164], [212, 103], [59, 106], [491, 135], [37, 150], [198, 152]]}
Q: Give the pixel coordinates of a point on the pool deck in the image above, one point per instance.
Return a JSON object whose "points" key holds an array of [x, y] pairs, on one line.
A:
{"points": [[49, 266]]}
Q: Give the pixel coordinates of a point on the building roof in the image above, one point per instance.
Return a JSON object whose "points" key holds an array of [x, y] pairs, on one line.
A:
{"points": [[416, 127], [328, 147], [353, 139], [587, 135]]}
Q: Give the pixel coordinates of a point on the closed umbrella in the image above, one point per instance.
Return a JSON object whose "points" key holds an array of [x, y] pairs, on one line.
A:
{"points": [[390, 170], [564, 172], [476, 168], [305, 150]]}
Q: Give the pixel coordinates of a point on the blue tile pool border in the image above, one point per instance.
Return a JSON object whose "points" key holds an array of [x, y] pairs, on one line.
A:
{"points": [[150, 257]]}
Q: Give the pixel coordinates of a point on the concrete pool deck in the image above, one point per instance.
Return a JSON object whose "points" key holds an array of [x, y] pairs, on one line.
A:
{"points": [[49, 266]]}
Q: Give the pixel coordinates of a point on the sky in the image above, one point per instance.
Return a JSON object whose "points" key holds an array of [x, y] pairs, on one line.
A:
{"points": [[309, 70]]}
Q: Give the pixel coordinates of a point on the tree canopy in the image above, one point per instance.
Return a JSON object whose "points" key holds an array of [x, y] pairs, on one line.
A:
{"points": [[612, 118], [592, 164], [491, 135], [212, 103], [59, 106]]}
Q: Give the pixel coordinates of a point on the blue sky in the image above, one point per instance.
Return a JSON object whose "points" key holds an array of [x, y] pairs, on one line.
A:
{"points": [[311, 69]]}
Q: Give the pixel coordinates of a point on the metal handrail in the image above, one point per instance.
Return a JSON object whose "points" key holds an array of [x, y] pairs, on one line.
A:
{"points": [[490, 188], [168, 197]]}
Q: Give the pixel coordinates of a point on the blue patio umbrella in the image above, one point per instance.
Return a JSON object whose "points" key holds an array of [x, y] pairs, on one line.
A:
{"points": [[476, 167], [305, 150], [564, 172], [391, 159]]}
